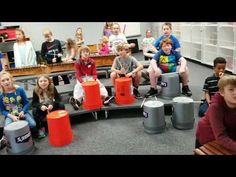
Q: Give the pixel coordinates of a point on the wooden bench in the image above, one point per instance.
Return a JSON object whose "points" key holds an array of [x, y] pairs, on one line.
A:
{"points": [[212, 148]]}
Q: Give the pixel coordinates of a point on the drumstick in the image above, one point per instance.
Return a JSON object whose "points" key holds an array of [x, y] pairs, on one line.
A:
{"points": [[143, 102], [156, 98]]}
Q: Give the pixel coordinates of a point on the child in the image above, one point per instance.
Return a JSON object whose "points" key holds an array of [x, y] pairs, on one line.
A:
{"points": [[85, 71], [71, 49], [79, 37], [52, 52], [14, 104], [210, 86], [219, 123], [165, 61], [128, 66], [148, 46], [116, 38], [107, 30], [105, 47], [45, 99], [166, 30], [24, 53]]}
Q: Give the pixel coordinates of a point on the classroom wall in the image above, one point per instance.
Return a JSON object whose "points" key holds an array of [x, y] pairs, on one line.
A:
{"points": [[92, 31]]}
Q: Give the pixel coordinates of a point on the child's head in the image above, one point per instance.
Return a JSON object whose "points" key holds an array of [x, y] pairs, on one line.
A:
{"points": [[227, 88], [70, 43], [104, 40], [44, 85], [6, 81], [166, 45], [219, 66], [47, 35], [84, 52], [148, 33], [78, 33], [166, 29], [20, 35], [123, 49], [108, 24], [115, 29], [43, 81]]}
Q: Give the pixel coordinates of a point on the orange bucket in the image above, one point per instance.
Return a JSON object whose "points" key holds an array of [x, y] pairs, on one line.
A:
{"points": [[92, 98], [123, 91], [59, 128]]}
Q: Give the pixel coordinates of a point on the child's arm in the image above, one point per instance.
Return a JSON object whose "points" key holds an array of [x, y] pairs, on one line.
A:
{"points": [[78, 72], [183, 64], [113, 67], [207, 97]]}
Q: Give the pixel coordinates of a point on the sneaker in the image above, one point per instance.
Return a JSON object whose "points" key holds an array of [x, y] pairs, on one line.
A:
{"points": [[136, 93], [186, 91], [108, 100], [74, 103], [151, 92], [41, 133], [3, 142]]}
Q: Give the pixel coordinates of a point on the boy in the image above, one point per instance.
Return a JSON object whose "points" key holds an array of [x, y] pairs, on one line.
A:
{"points": [[219, 123], [126, 65], [210, 86], [165, 61], [52, 52]]}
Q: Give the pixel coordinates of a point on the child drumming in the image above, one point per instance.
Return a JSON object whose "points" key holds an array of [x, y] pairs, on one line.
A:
{"points": [[85, 71], [45, 99], [104, 46], [210, 86], [52, 52], [219, 123], [24, 53], [165, 61], [128, 66], [148, 46], [79, 37], [167, 30], [14, 104]]}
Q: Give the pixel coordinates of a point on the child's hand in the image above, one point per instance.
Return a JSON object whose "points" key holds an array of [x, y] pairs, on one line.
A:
{"points": [[50, 107], [129, 74], [15, 118], [122, 71], [54, 60], [21, 115], [59, 55], [221, 74], [44, 108]]}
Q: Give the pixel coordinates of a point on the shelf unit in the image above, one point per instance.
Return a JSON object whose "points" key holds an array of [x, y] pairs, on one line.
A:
{"points": [[204, 42]]}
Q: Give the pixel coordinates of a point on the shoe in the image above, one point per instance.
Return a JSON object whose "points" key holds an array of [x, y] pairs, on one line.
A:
{"points": [[151, 92], [186, 91], [74, 102], [3, 143], [41, 133], [136, 93], [108, 100]]}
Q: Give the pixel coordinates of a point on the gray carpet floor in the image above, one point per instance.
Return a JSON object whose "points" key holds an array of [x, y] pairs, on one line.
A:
{"points": [[123, 133]]}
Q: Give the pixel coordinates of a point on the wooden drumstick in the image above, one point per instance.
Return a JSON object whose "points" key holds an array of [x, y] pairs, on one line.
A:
{"points": [[143, 102]]}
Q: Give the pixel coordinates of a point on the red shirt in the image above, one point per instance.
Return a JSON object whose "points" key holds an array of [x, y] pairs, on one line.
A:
{"points": [[87, 68], [218, 124]]}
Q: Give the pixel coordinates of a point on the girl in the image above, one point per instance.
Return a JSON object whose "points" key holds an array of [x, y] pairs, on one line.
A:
{"points": [[24, 53], [45, 100], [71, 49], [79, 37], [148, 46], [85, 71], [14, 104], [105, 47], [107, 30]]}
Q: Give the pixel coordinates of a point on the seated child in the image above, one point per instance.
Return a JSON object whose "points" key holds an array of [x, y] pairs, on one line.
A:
{"points": [[166, 61], [85, 71], [45, 99], [127, 66], [104, 46], [148, 46], [14, 104], [210, 86], [71, 49], [219, 123]]}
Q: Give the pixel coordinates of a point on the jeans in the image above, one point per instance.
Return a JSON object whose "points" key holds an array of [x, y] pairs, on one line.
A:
{"points": [[203, 108]]}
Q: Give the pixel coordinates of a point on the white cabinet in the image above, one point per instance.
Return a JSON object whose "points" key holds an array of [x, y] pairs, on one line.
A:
{"points": [[204, 42]]}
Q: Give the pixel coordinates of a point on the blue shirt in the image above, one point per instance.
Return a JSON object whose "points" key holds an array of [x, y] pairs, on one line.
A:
{"points": [[14, 103], [174, 40], [167, 63]]}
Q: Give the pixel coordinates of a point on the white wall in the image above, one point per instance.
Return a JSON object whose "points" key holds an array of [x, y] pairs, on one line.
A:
{"points": [[92, 31]]}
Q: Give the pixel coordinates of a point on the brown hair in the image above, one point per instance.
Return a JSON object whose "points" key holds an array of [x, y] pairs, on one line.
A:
{"points": [[166, 41], [50, 90], [83, 48], [226, 80], [70, 43], [123, 46], [167, 24], [22, 32]]}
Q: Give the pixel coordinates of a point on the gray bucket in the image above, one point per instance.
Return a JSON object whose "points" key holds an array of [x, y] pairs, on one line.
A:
{"points": [[183, 113], [170, 85], [19, 139], [154, 117]]}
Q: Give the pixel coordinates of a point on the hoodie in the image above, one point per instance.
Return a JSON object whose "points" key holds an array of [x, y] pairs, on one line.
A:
{"points": [[218, 124]]}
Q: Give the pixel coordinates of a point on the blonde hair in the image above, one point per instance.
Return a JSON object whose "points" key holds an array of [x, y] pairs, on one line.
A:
{"points": [[123, 46], [83, 48], [47, 32], [2, 73], [50, 90], [70, 43], [226, 80], [105, 39]]}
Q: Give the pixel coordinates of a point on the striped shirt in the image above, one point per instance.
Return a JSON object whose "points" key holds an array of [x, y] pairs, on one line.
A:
{"points": [[210, 85]]}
